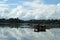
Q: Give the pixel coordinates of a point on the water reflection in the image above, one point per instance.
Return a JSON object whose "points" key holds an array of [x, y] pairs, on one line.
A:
{"points": [[11, 32], [25, 26], [28, 34], [15, 26]]}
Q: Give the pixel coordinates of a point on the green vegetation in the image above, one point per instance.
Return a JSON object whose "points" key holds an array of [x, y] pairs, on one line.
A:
{"points": [[45, 21], [16, 20]]}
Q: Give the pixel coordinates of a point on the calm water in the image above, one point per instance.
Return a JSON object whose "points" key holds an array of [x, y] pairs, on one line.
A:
{"points": [[28, 34]]}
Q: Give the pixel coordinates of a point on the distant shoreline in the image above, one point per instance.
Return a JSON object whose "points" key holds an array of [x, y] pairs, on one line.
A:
{"points": [[16, 22]]}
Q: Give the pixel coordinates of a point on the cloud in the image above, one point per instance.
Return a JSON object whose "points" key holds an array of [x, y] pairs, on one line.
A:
{"points": [[30, 10], [43, 11], [3, 1], [16, 12], [5, 9], [38, 1]]}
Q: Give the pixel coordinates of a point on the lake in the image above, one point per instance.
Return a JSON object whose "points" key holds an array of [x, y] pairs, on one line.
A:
{"points": [[7, 33]]}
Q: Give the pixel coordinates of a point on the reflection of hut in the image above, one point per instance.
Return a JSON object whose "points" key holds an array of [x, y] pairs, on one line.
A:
{"points": [[38, 28], [42, 28]]}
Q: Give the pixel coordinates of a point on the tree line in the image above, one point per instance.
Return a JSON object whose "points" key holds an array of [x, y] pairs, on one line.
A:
{"points": [[17, 20]]}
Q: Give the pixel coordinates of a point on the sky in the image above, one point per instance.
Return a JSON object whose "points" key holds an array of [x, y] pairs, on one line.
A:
{"points": [[30, 9]]}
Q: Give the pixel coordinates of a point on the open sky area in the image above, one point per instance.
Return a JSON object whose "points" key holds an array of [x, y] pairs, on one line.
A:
{"points": [[30, 9]]}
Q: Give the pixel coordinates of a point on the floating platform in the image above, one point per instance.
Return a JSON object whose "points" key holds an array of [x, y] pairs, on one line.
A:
{"points": [[40, 28]]}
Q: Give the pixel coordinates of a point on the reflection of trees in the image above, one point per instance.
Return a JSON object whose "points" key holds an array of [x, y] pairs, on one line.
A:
{"points": [[10, 25]]}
